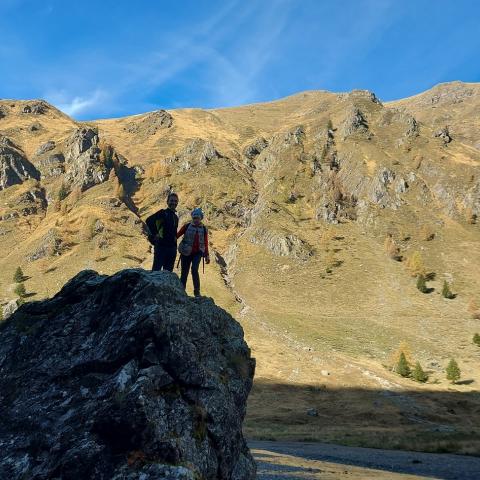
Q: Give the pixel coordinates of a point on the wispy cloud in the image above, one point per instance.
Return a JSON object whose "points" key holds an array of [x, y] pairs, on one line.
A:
{"points": [[149, 72], [228, 74], [75, 105], [224, 52]]}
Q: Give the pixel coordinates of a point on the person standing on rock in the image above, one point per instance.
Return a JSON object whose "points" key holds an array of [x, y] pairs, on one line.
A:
{"points": [[192, 248], [163, 226]]}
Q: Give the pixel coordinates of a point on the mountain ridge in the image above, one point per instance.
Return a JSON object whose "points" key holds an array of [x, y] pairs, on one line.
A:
{"points": [[318, 207]]}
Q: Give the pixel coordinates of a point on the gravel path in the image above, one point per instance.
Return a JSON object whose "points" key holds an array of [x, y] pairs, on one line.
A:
{"points": [[300, 461]]}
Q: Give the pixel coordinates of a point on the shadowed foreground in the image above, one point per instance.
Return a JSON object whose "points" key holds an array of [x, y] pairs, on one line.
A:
{"points": [[421, 419], [299, 461]]}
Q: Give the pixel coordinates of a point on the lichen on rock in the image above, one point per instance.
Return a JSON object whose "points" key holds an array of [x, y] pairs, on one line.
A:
{"points": [[124, 377]]}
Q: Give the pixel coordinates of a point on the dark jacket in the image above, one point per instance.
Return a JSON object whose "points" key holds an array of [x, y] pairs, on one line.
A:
{"points": [[163, 223]]}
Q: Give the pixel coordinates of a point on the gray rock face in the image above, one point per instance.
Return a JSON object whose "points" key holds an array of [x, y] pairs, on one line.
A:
{"points": [[3, 112], [150, 123], [35, 127], [50, 245], [355, 122], [36, 108], [123, 377], [51, 165], [84, 166], [195, 154], [9, 309], [363, 95], [450, 93], [45, 147], [32, 202], [393, 116], [282, 245], [254, 149], [443, 134], [14, 166], [295, 136]]}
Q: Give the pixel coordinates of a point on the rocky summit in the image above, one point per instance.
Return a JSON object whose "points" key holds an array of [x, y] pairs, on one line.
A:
{"points": [[123, 377]]}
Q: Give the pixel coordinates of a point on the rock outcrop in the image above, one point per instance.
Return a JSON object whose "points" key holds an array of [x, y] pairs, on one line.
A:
{"points": [[51, 164], [444, 134], [123, 377], [50, 245], [150, 123], [255, 148], [282, 244], [36, 108], [196, 154], [14, 166], [85, 168], [32, 201], [355, 122], [45, 147]]}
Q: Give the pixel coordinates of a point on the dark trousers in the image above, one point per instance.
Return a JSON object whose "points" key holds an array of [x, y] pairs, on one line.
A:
{"points": [[192, 261], [164, 257]]}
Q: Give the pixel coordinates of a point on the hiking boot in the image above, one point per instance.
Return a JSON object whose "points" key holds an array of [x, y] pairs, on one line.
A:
{"points": [[196, 293]]}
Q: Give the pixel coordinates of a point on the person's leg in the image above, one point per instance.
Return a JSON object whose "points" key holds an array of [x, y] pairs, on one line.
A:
{"points": [[158, 256], [197, 258], [185, 263], [169, 258]]}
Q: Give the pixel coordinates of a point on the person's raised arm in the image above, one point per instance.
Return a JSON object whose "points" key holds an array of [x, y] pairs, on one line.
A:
{"points": [[182, 230]]}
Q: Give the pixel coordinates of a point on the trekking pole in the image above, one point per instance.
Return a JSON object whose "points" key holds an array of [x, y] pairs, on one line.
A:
{"points": [[203, 264], [178, 263]]}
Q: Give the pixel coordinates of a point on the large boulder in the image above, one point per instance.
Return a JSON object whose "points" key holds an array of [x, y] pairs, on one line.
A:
{"points": [[123, 377], [14, 166]]}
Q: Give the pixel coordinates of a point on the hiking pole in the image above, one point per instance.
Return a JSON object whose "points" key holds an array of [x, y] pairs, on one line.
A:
{"points": [[203, 264]]}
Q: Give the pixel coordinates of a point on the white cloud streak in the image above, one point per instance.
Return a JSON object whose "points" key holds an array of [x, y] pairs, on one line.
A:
{"points": [[76, 105], [227, 52]]}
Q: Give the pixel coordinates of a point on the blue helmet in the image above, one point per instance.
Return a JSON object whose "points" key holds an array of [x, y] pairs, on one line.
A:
{"points": [[197, 212]]}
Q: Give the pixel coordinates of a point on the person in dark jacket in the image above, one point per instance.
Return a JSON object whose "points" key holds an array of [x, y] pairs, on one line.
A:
{"points": [[193, 248], [162, 227]]}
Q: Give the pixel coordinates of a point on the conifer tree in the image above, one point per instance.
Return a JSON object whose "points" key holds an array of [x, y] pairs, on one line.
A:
{"points": [[446, 293], [418, 374], [402, 367], [415, 264], [476, 339], [18, 275], [453, 371], [404, 348], [422, 284], [20, 290], [63, 192]]}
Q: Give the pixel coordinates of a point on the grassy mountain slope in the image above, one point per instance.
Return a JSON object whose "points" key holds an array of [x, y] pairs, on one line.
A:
{"points": [[301, 196]]}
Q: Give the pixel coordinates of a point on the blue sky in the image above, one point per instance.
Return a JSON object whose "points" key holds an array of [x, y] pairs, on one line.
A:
{"points": [[108, 58]]}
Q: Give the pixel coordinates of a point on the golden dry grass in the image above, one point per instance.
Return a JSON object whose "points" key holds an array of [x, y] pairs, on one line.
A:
{"points": [[344, 310]]}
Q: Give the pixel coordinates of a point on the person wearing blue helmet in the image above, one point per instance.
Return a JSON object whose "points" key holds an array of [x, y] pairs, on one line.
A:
{"points": [[192, 248]]}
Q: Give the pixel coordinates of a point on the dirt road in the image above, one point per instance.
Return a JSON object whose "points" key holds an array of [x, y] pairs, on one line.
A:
{"points": [[306, 461]]}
